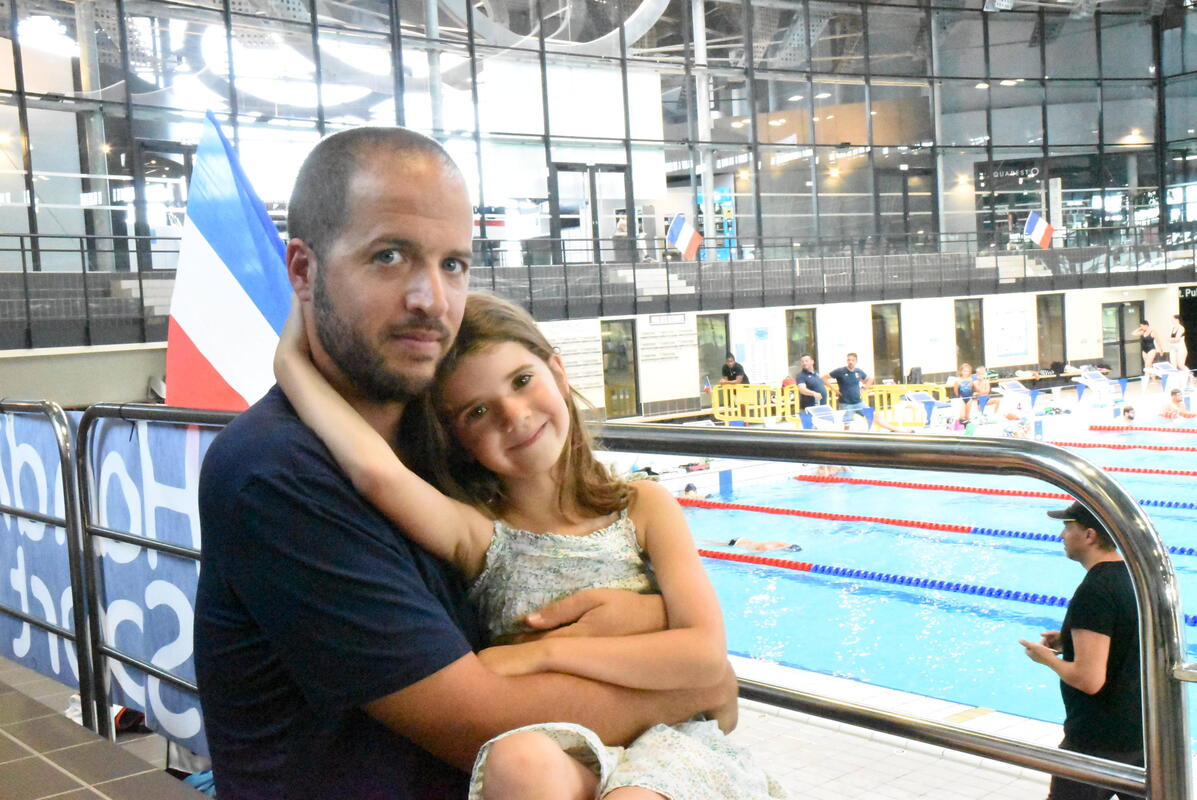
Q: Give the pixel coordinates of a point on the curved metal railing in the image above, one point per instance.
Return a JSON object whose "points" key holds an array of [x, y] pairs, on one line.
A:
{"points": [[1167, 770]]}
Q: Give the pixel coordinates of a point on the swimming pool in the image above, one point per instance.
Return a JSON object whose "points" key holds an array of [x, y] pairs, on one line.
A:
{"points": [[959, 647]]}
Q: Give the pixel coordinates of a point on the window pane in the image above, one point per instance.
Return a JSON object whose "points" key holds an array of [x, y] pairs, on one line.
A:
{"points": [[1071, 46], [899, 43]]}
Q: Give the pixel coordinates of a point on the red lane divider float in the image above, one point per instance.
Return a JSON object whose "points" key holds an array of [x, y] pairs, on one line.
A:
{"points": [[943, 487], [1159, 448], [795, 512], [939, 487], [1186, 473], [1138, 428]]}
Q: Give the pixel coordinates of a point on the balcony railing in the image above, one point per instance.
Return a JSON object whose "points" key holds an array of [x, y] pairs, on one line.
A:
{"points": [[94, 295]]}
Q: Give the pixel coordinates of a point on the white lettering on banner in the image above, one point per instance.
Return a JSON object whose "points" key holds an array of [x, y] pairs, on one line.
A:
{"points": [[186, 724], [183, 499], [41, 593], [16, 579], [24, 455], [113, 468], [124, 611]]}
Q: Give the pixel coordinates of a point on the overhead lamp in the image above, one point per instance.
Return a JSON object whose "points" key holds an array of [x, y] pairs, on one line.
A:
{"points": [[5, 138], [834, 172], [982, 85], [738, 123], [797, 97], [776, 122], [1008, 82], [829, 116], [105, 148], [822, 95]]}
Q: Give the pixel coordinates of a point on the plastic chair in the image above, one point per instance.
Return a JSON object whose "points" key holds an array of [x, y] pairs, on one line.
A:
{"points": [[936, 410], [1100, 385], [1170, 376], [824, 418]]}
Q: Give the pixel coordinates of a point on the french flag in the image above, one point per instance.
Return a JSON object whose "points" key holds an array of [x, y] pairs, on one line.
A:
{"points": [[231, 294], [1039, 230], [682, 236]]}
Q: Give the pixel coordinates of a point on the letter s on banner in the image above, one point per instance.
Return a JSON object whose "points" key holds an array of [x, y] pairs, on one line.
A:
{"points": [[185, 724]]}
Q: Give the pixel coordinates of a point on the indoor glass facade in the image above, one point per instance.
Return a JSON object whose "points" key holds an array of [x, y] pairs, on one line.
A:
{"points": [[783, 128]]}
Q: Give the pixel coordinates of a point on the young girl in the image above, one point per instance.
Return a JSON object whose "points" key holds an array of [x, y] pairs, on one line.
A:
{"points": [[529, 516]]}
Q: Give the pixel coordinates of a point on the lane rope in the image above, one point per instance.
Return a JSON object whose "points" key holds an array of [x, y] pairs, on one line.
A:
{"points": [[1003, 533], [944, 487], [1138, 428], [1159, 448], [903, 580]]}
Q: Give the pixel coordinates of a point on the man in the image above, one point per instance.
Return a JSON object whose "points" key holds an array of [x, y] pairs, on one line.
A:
{"points": [[1096, 655], [1175, 407], [733, 372], [335, 658], [849, 380], [810, 385]]}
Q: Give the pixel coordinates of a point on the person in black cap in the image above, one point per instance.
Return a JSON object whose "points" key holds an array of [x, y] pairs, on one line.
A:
{"points": [[1096, 655]]}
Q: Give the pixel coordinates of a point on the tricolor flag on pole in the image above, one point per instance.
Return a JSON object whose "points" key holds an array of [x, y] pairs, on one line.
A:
{"points": [[683, 236], [231, 294], [1039, 230]]}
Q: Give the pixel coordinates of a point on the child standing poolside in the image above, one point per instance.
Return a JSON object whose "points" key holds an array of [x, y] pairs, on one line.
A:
{"points": [[530, 516]]}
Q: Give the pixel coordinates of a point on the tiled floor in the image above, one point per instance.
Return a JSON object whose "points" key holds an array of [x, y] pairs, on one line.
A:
{"points": [[817, 759], [43, 754]]}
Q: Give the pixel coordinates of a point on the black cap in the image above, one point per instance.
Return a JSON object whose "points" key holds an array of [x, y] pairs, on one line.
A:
{"points": [[1079, 514]]}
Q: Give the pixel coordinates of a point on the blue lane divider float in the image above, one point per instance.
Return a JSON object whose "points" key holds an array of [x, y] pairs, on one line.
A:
{"points": [[933, 584]]}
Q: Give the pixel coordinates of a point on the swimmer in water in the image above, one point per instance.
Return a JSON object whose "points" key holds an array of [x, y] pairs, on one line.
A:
{"points": [[760, 547]]}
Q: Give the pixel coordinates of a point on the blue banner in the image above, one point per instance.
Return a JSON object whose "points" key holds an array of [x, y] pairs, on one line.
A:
{"points": [[145, 480]]}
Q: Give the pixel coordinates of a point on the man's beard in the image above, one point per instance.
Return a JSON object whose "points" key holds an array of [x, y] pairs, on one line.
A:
{"points": [[361, 362]]}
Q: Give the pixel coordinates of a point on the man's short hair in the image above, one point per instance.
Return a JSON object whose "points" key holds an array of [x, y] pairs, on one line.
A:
{"points": [[853, 355], [319, 205], [806, 355], [731, 357]]}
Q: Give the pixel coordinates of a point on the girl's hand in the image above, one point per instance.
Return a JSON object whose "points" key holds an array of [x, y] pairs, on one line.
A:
{"points": [[514, 659]]}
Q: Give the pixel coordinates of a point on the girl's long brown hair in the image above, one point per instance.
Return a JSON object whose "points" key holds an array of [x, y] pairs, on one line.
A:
{"points": [[429, 448]]}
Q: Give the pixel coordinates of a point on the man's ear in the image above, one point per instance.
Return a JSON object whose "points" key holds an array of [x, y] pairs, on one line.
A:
{"points": [[301, 268]]}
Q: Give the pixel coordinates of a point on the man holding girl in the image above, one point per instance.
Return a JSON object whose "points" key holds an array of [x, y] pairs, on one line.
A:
{"points": [[334, 655]]}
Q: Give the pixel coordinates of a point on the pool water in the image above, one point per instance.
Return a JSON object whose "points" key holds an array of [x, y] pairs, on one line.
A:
{"points": [[953, 646]]}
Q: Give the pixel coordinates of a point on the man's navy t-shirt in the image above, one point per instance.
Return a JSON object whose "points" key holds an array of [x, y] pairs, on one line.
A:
{"points": [[849, 381], [309, 605], [813, 382]]}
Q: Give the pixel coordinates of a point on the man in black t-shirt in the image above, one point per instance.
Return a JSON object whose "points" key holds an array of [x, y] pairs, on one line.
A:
{"points": [[733, 372], [810, 386], [335, 658], [1096, 655]]}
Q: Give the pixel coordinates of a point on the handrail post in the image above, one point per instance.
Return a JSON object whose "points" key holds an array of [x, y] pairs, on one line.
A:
{"points": [[81, 611]]}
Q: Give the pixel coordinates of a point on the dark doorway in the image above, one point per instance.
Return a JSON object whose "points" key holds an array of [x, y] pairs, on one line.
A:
{"points": [[1050, 319], [1121, 349], [1188, 318], [619, 368], [887, 342], [712, 352]]}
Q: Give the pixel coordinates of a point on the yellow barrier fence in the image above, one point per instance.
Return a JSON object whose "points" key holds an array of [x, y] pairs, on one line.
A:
{"points": [[749, 404]]}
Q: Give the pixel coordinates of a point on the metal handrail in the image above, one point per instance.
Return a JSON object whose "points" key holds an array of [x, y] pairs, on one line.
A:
{"points": [[71, 525], [100, 651], [1167, 773]]}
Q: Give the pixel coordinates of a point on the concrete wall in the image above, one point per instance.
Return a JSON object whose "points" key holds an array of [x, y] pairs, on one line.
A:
{"points": [[80, 376], [667, 348]]}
